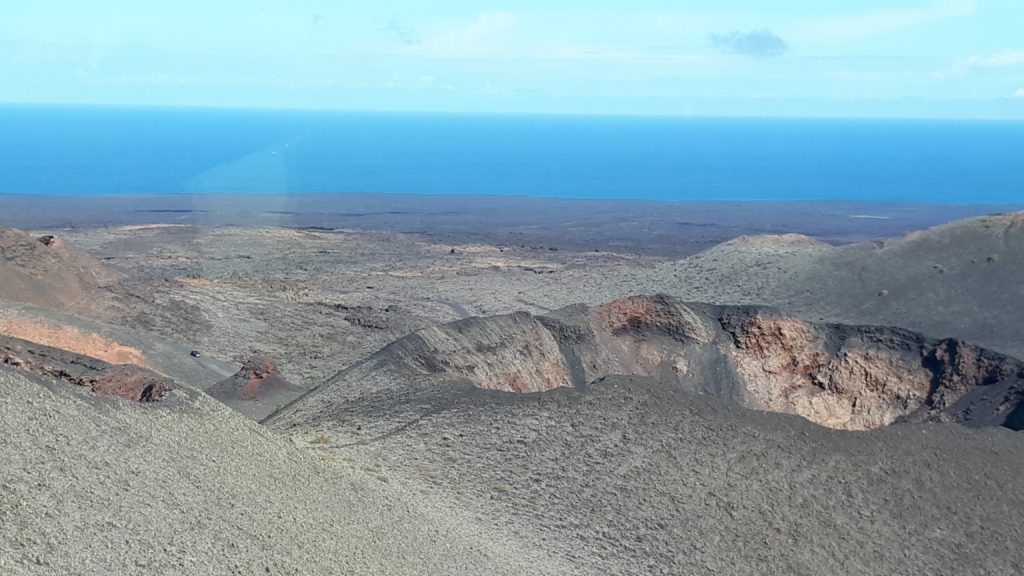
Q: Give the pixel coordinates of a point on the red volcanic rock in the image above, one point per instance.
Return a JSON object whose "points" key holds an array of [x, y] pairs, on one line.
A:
{"points": [[127, 381], [846, 377], [131, 383], [258, 379]]}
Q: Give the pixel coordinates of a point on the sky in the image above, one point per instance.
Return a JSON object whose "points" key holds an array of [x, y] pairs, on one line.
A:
{"points": [[892, 58]]}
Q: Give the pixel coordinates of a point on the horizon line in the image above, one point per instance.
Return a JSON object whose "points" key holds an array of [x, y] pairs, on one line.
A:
{"points": [[425, 111]]}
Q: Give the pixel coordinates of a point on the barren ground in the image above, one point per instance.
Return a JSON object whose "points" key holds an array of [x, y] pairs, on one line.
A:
{"points": [[629, 477]]}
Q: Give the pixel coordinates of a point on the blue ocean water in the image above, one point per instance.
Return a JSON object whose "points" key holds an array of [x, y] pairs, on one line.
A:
{"points": [[97, 150]]}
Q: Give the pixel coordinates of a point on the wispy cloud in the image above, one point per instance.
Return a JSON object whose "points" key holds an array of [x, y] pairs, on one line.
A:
{"points": [[1019, 93], [757, 43], [506, 36], [998, 60], [861, 25], [483, 37], [969, 64]]}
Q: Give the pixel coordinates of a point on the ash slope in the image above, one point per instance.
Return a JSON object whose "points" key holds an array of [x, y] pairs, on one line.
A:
{"points": [[851, 377], [54, 294], [640, 476], [45, 271], [663, 471], [963, 279], [97, 485]]}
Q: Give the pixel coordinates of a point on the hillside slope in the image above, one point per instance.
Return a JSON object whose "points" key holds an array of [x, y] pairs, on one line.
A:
{"points": [[46, 271], [98, 485], [964, 279], [641, 476]]}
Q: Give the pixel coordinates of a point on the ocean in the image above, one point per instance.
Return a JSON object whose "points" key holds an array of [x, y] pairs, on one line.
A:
{"points": [[106, 150]]}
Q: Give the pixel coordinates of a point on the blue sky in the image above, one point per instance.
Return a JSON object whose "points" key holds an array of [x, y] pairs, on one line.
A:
{"points": [[938, 58]]}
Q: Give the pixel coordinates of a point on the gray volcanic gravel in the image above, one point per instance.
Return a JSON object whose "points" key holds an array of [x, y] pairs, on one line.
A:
{"points": [[94, 485], [630, 477], [639, 477]]}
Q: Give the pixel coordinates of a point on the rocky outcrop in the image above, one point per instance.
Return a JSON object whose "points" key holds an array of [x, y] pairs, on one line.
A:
{"points": [[50, 240], [131, 383], [854, 378], [258, 379], [371, 317], [127, 381], [848, 377]]}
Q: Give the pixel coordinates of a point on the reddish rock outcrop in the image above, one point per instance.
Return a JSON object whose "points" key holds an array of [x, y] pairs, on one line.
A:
{"points": [[125, 381], [850, 377], [258, 379], [785, 365], [654, 314], [131, 383]]}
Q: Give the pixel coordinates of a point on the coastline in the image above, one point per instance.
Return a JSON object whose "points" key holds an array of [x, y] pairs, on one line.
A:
{"points": [[654, 227]]}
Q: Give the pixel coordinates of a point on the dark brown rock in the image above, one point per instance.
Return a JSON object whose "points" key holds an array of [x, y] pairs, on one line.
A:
{"points": [[126, 381], [131, 383], [258, 379]]}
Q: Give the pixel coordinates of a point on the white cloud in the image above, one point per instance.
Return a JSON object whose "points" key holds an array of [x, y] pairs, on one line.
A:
{"points": [[998, 60], [1019, 93], [856, 26], [503, 36], [962, 66], [481, 38]]}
